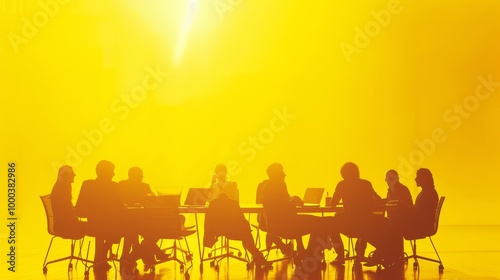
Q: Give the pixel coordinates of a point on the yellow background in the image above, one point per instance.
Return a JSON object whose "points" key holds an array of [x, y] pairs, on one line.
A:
{"points": [[235, 66]]}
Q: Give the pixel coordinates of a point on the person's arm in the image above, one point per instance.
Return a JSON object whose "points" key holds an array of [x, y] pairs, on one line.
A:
{"points": [[407, 196], [337, 195], [374, 193], [232, 191], [214, 190]]}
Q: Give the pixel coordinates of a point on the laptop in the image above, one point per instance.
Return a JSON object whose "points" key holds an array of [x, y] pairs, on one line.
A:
{"points": [[312, 196], [168, 200], [197, 197]]}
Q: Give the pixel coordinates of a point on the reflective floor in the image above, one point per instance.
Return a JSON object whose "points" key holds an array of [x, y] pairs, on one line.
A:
{"points": [[467, 252]]}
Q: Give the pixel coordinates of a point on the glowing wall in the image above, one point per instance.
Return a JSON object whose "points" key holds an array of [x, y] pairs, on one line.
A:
{"points": [[176, 87]]}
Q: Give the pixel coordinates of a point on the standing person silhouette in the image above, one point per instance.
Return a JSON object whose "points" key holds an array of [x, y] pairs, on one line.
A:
{"points": [[66, 222]]}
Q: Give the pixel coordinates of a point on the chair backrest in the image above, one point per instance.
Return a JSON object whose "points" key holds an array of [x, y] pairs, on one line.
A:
{"points": [[47, 205], [168, 199], [163, 222], [438, 213], [260, 190]]}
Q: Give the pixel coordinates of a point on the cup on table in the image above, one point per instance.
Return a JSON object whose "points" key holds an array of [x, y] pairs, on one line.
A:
{"points": [[328, 200]]}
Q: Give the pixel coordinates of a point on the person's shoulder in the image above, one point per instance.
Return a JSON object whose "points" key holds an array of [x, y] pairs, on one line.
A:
{"points": [[341, 184], [365, 182], [88, 182], [402, 187]]}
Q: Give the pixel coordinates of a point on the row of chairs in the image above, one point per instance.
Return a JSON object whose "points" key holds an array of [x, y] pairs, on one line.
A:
{"points": [[168, 220], [172, 230]]}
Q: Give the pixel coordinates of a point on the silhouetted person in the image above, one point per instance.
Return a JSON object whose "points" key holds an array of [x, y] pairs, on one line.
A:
{"points": [[220, 184], [418, 220], [100, 202], [271, 239], [396, 192], [134, 192], [358, 220], [66, 222], [283, 220], [224, 217]]}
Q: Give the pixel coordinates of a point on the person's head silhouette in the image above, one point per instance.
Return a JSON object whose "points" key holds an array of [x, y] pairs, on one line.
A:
{"points": [[66, 174], [424, 178], [349, 171], [105, 170], [135, 174], [391, 178], [221, 172], [275, 172]]}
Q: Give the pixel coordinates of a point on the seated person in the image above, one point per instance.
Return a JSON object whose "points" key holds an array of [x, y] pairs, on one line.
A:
{"points": [[66, 222], [286, 249], [418, 220], [359, 220], [134, 191], [224, 217], [99, 201], [220, 184], [283, 220], [397, 193], [372, 199]]}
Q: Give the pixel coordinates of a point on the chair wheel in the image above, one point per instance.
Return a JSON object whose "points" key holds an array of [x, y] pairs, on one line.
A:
{"points": [[70, 266], [216, 267], [415, 265], [239, 254], [441, 268], [209, 255], [212, 263], [45, 269]]}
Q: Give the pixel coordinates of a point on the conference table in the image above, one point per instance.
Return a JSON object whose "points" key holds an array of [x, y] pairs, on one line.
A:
{"points": [[253, 209], [256, 209]]}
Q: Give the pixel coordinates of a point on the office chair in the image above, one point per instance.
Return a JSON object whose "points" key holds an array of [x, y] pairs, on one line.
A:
{"points": [[262, 226], [167, 223], [413, 241], [215, 219], [77, 238]]}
